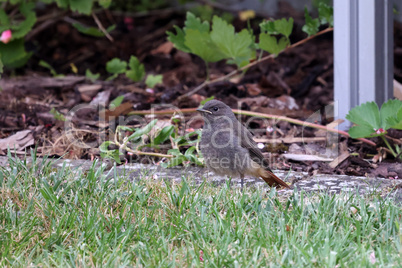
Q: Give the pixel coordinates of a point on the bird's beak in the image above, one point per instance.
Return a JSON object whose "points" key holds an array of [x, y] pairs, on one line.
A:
{"points": [[203, 111]]}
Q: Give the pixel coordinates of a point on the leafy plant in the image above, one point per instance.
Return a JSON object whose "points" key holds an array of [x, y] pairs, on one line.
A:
{"points": [[135, 71], [116, 67], [221, 42], [91, 76], [372, 122], [325, 16], [153, 80], [133, 143], [312, 25], [50, 68], [92, 31], [57, 115]]}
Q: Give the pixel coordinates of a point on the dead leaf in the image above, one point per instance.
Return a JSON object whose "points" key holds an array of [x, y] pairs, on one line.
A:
{"points": [[165, 48], [88, 91], [102, 98], [253, 89], [123, 108], [18, 141], [246, 15]]}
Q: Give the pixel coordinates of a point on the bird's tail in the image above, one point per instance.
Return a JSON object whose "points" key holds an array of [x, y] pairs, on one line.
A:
{"points": [[271, 179]]}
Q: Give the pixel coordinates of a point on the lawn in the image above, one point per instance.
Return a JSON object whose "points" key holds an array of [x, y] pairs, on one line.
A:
{"points": [[65, 217]]}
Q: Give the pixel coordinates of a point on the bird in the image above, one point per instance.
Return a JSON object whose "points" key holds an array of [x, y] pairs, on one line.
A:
{"points": [[228, 147]]}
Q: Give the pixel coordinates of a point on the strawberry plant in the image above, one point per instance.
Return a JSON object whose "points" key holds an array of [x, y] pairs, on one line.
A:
{"points": [[370, 121]]}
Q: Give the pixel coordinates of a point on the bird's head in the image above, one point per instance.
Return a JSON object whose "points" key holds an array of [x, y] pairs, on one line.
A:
{"points": [[214, 110]]}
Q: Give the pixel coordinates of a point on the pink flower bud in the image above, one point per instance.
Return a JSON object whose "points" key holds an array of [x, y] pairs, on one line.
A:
{"points": [[379, 131], [6, 36]]}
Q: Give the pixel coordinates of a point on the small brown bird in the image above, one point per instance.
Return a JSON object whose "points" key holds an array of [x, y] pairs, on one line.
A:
{"points": [[228, 147]]}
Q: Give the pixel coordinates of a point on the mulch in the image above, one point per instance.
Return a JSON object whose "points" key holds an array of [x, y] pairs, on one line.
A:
{"points": [[298, 84]]}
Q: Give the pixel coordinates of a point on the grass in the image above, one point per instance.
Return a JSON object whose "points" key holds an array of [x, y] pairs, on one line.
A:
{"points": [[64, 217]]}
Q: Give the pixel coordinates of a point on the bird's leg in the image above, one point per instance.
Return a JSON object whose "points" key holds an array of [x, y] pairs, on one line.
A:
{"points": [[242, 181]]}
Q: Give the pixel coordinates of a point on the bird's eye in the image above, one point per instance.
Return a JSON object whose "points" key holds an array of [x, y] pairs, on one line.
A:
{"points": [[215, 108]]}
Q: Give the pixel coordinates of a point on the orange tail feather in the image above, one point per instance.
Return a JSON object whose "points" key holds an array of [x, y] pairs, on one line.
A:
{"points": [[271, 179]]}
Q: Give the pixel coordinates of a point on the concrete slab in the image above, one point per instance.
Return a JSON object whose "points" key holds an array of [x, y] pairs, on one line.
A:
{"points": [[332, 184]]}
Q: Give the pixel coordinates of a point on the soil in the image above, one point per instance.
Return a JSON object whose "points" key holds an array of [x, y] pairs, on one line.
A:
{"points": [[298, 84]]}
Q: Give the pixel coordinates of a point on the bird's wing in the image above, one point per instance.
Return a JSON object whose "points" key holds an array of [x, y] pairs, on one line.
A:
{"points": [[255, 153], [264, 172]]}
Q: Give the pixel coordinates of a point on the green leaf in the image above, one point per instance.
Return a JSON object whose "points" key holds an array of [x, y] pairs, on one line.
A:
{"points": [[4, 20], [195, 38], [163, 135], [395, 121], [13, 54], [174, 161], [62, 3], [200, 44], [116, 66], [367, 119], [105, 3], [143, 131], [194, 23], [116, 102], [91, 76], [268, 26], [311, 26], [153, 80], [282, 26], [389, 110], [236, 46], [137, 70], [125, 128], [81, 6], [106, 153], [92, 31], [21, 29], [103, 148], [208, 99], [326, 14], [178, 39], [51, 69], [270, 44], [175, 152], [57, 115], [361, 131], [112, 77], [1, 66], [190, 155]]}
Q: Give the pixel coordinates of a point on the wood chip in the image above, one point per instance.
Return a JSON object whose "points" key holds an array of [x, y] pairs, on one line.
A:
{"points": [[339, 159], [306, 157], [397, 90]]}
